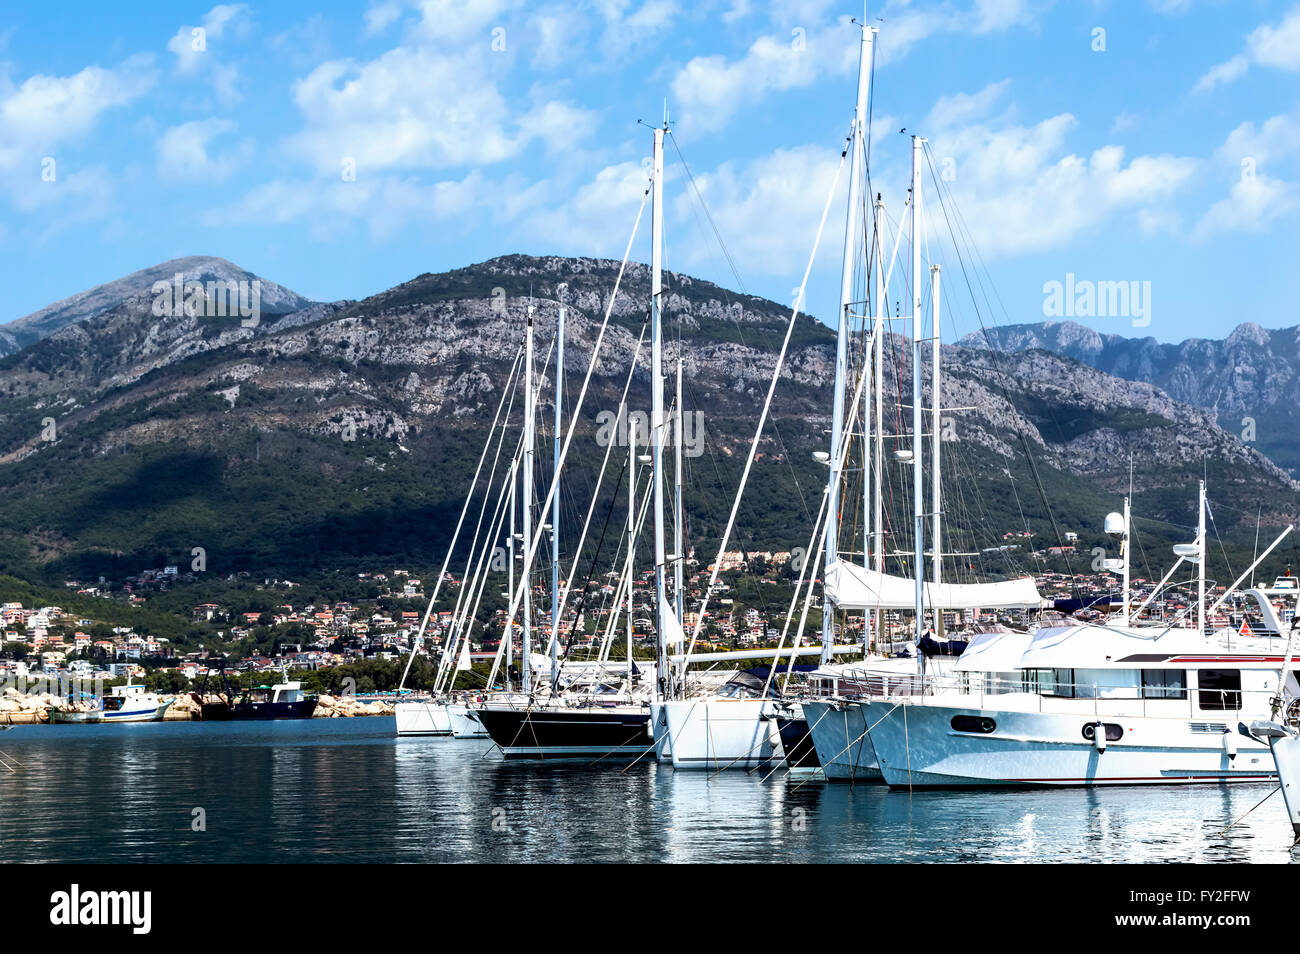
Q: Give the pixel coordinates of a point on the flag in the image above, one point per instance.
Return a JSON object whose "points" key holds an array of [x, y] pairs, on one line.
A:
{"points": [[1245, 627]]}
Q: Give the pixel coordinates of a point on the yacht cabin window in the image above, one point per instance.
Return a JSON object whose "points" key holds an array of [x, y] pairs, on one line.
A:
{"points": [[1219, 689], [1108, 683], [1164, 684]]}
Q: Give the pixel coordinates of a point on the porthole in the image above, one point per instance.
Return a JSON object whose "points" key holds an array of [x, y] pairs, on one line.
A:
{"points": [[1113, 732], [969, 723]]}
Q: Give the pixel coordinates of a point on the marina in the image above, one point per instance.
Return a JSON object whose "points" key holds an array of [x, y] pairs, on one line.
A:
{"points": [[351, 791], [752, 433]]}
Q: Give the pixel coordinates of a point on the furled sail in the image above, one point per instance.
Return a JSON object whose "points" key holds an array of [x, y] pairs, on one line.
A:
{"points": [[673, 633], [855, 588]]}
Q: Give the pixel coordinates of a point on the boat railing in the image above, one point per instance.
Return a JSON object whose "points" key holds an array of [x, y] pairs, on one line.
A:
{"points": [[990, 690]]}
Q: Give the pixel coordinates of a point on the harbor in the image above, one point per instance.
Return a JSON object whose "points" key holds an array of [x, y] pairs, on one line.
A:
{"points": [[644, 433], [350, 791]]}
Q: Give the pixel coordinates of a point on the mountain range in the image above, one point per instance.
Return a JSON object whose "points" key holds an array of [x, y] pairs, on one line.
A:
{"points": [[343, 435], [1250, 380]]}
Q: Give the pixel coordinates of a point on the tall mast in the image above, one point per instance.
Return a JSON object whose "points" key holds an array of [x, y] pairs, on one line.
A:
{"points": [[918, 544], [1125, 554], [510, 562], [1200, 565], [679, 529], [849, 261], [936, 545], [555, 503], [1126, 545], [631, 542], [530, 410], [657, 403], [878, 342]]}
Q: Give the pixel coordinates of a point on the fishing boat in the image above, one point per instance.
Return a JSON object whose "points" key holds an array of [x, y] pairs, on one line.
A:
{"points": [[122, 704], [284, 700]]}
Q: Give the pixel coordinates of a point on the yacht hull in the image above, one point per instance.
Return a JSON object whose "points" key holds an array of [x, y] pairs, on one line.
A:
{"points": [[257, 711], [619, 733], [839, 735], [918, 747], [659, 726], [464, 723], [1286, 756], [717, 734], [422, 718], [98, 716]]}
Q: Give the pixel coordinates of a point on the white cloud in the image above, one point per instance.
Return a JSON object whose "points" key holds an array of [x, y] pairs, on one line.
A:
{"points": [[45, 112], [1276, 46], [806, 48], [1257, 197], [1252, 205], [185, 151], [385, 204], [427, 105], [1278, 138], [1020, 189], [461, 21], [1124, 122], [381, 16], [766, 209], [959, 108], [197, 56], [593, 219]]}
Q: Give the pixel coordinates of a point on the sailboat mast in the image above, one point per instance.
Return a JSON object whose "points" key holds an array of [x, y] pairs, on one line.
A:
{"points": [[1126, 554], [530, 411], [918, 543], [631, 542], [555, 503], [847, 269], [510, 562], [936, 546], [657, 403], [1200, 565], [679, 529], [878, 349]]}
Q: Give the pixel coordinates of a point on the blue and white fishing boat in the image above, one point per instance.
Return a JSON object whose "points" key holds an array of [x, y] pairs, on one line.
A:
{"points": [[122, 704]]}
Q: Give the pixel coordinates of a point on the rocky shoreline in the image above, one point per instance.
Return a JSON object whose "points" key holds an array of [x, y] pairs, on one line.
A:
{"points": [[18, 708]]}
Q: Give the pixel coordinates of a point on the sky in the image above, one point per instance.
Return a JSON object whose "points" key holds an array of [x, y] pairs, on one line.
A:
{"points": [[340, 148]]}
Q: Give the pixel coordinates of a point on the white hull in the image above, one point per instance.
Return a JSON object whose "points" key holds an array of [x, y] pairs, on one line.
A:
{"points": [[128, 713], [422, 718], [717, 734], [1286, 756], [918, 746], [464, 724], [659, 725], [843, 745]]}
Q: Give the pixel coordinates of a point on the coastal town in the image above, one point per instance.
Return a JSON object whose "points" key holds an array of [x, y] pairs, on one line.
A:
{"points": [[745, 613]]}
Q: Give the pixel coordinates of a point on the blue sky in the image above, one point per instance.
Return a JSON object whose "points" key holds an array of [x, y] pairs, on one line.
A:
{"points": [[1171, 156]]}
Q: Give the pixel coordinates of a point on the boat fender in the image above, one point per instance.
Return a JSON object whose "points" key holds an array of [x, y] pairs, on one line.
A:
{"points": [[1229, 744], [1099, 737]]}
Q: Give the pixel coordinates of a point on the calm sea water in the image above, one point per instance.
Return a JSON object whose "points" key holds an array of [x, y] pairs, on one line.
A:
{"points": [[349, 790]]}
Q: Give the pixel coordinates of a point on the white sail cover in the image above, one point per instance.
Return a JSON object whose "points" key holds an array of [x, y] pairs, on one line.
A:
{"points": [[674, 635], [856, 588]]}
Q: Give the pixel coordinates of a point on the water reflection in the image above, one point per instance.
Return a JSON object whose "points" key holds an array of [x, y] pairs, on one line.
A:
{"points": [[347, 790]]}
